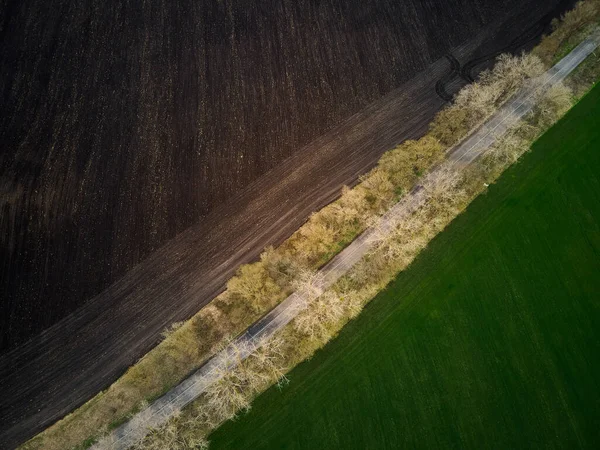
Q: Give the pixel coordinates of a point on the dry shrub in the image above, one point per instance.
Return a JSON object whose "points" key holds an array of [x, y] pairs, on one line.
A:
{"points": [[209, 329], [328, 230], [108, 442], [280, 267], [379, 189], [169, 437], [314, 239], [585, 76], [547, 48], [584, 13], [138, 427], [353, 204], [253, 286], [171, 329], [568, 29], [405, 164]]}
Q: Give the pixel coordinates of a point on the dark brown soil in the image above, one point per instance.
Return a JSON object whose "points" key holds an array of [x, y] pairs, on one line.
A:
{"points": [[122, 125]]}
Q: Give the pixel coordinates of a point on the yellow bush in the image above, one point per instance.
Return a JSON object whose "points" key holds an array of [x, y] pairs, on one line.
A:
{"points": [[253, 286], [405, 163]]}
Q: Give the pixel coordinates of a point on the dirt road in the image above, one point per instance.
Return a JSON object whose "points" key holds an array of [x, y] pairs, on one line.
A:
{"points": [[459, 157], [85, 352]]}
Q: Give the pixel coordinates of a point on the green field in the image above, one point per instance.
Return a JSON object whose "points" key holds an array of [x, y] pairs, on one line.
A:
{"points": [[490, 340]]}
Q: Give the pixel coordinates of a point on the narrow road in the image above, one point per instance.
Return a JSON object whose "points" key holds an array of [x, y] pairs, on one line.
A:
{"points": [[66, 365], [458, 158]]}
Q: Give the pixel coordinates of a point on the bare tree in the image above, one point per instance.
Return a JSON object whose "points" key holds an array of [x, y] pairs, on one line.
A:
{"points": [[174, 436], [475, 102], [316, 320], [309, 285], [248, 369]]}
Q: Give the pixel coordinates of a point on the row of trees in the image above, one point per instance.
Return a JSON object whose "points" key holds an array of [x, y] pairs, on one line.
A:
{"points": [[397, 248], [567, 30], [249, 368], [259, 286], [323, 313], [475, 102]]}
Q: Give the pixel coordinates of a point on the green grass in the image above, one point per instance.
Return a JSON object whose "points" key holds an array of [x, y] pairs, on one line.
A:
{"points": [[491, 339], [86, 444]]}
